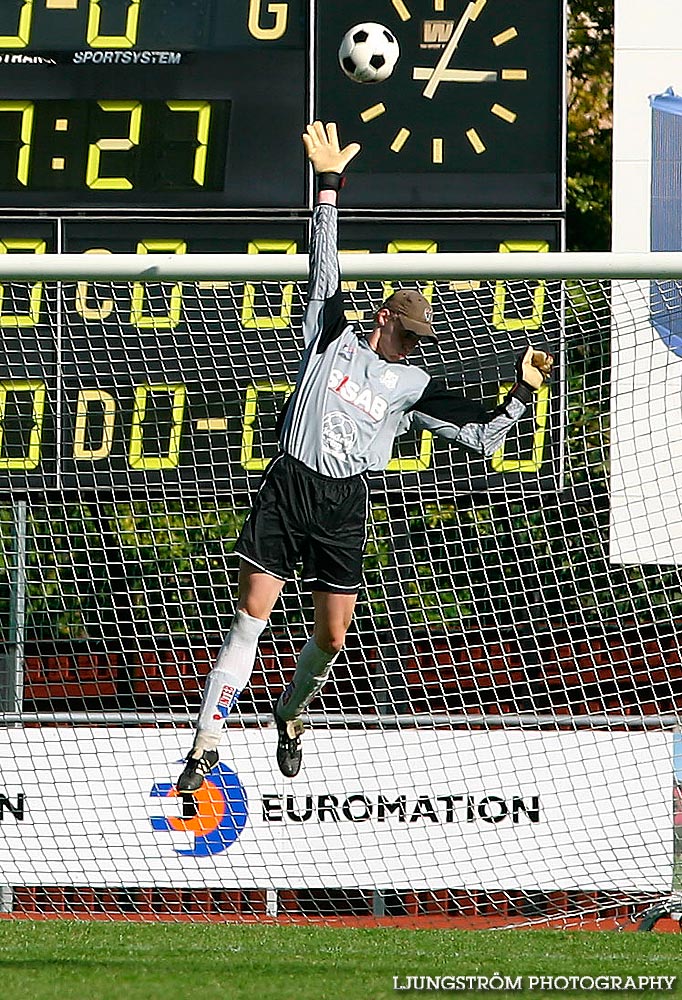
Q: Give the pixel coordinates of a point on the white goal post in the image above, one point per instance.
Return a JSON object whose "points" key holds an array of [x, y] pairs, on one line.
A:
{"points": [[499, 740], [405, 266]]}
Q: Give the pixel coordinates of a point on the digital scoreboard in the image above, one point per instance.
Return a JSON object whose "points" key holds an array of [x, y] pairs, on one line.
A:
{"points": [[126, 104], [200, 103], [173, 126]]}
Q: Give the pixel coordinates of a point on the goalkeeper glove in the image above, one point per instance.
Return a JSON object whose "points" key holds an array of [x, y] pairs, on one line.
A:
{"points": [[329, 161], [533, 368]]}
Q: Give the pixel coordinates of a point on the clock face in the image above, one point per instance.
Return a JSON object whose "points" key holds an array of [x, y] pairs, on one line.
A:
{"points": [[472, 115]]}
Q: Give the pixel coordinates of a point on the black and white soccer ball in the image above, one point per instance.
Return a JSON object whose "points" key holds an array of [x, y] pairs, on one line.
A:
{"points": [[368, 53]]}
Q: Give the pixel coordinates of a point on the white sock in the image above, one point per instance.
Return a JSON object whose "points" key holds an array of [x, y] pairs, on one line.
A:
{"points": [[312, 670], [230, 675]]}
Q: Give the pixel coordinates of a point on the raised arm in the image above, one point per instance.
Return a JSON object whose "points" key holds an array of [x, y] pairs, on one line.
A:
{"points": [[329, 162], [449, 415]]}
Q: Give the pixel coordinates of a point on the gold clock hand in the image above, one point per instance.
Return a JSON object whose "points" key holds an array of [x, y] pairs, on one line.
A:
{"points": [[472, 11], [456, 75]]}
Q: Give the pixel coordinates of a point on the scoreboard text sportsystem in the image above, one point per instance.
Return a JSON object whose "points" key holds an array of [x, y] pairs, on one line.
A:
{"points": [[173, 126]]}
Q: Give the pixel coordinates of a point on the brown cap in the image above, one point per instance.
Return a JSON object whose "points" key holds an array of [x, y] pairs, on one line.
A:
{"points": [[413, 310]]}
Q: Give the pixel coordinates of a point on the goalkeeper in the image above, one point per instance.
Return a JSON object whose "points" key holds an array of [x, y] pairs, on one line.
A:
{"points": [[354, 394]]}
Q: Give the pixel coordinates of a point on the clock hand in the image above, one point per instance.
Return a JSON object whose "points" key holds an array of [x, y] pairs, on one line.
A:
{"points": [[456, 75], [472, 11]]}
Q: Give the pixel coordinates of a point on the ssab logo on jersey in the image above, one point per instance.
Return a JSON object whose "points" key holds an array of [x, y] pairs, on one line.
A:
{"points": [[217, 812], [361, 396]]}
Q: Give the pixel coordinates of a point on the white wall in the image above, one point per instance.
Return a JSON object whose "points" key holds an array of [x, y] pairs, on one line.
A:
{"points": [[646, 418], [648, 61]]}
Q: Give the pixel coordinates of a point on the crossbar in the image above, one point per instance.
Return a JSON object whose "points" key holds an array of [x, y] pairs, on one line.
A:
{"points": [[424, 720], [379, 266]]}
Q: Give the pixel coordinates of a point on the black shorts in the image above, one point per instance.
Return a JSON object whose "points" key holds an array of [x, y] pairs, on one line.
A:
{"points": [[301, 516]]}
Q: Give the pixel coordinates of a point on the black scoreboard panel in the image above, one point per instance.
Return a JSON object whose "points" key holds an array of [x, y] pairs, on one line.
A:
{"points": [[174, 126], [51, 26], [181, 361], [153, 103], [175, 387], [198, 104], [472, 115], [29, 371], [482, 327]]}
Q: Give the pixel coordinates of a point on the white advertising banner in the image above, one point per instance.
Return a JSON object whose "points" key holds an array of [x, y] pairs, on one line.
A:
{"points": [[420, 810], [646, 388]]}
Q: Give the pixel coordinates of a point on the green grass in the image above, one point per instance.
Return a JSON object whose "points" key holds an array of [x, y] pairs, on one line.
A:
{"points": [[68, 960]]}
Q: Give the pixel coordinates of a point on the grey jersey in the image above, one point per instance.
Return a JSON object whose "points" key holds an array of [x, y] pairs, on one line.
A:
{"points": [[349, 404]]}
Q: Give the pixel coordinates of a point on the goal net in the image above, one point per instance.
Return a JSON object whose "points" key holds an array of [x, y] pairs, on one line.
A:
{"points": [[497, 743]]}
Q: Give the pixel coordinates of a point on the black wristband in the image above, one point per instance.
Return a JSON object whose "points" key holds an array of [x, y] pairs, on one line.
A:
{"points": [[330, 181], [522, 391]]}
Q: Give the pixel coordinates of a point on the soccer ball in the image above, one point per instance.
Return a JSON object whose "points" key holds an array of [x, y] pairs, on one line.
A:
{"points": [[368, 53]]}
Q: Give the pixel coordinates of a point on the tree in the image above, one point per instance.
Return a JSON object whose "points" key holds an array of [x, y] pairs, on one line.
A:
{"points": [[590, 101]]}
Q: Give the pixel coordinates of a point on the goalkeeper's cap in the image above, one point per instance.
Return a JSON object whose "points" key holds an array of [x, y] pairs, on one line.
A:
{"points": [[413, 311]]}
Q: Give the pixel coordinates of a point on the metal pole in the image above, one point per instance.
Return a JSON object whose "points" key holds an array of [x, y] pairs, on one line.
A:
{"points": [[13, 689], [13, 693], [378, 903], [349, 720]]}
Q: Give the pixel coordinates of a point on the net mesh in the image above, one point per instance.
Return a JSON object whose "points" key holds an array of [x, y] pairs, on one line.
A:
{"points": [[496, 743]]}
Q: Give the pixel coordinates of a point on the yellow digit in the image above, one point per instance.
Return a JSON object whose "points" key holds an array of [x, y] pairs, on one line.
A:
{"points": [[85, 397], [422, 461], [37, 390], [95, 149], [137, 458], [203, 112], [174, 315], [249, 317], [280, 11], [82, 308], [125, 41], [247, 460], [25, 108], [502, 464], [534, 321], [410, 246], [32, 317], [20, 40]]}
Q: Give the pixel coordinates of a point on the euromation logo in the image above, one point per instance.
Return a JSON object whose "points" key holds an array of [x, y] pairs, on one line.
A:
{"points": [[216, 814], [415, 808]]}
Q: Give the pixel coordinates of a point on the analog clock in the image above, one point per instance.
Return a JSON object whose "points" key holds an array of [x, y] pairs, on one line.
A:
{"points": [[472, 116]]}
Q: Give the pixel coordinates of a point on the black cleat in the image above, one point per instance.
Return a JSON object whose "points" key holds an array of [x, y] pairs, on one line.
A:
{"points": [[199, 764], [289, 753]]}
